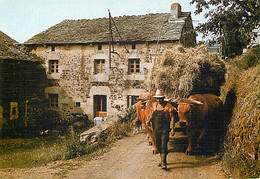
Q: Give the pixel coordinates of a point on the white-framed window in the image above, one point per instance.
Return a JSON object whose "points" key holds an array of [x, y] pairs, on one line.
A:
{"points": [[134, 65], [99, 66], [54, 66]]}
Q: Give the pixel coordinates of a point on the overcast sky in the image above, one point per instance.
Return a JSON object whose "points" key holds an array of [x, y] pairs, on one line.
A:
{"points": [[22, 19]]}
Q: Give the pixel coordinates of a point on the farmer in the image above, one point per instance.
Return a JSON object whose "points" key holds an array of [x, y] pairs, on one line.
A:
{"points": [[162, 120]]}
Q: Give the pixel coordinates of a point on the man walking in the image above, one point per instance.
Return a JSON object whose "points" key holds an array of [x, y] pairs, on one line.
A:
{"points": [[162, 120]]}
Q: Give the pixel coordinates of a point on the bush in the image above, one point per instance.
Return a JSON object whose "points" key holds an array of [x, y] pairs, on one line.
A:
{"points": [[116, 131], [250, 59], [81, 121]]}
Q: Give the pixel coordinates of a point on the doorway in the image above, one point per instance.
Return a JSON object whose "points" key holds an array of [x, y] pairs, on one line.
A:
{"points": [[100, 106]]}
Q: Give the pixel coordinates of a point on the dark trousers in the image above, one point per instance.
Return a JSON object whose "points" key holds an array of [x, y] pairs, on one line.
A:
{"points": [[161, 141]]}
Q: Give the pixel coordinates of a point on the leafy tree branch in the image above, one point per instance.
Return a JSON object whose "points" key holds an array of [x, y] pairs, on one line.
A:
{"points": [[231, 22]]}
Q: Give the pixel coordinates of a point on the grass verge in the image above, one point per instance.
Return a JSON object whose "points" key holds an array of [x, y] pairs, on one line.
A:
{"points": [[238, 164], [241, 91], [26, 153]]}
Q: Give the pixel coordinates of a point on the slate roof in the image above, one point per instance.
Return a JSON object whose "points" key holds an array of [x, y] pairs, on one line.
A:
{"points": [[11, 49], [131, 28]]}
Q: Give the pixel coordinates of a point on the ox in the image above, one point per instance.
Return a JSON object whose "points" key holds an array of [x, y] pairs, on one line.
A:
{"points": [[137, 125], [201, 115], [142, 109]]}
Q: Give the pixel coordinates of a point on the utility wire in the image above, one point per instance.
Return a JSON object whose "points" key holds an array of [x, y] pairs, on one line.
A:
{"points": [[111, 32], [158, 40], [117, 30]]}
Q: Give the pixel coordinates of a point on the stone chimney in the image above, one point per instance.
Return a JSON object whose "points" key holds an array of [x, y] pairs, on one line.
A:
{"points": [[175, 10]]}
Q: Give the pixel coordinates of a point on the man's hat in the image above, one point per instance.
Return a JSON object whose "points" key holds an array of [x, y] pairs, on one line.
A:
{"points": [[159, 94]]}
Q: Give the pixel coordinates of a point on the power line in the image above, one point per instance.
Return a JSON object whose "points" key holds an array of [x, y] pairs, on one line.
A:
{"points": [[110, 16], [158, 40]]}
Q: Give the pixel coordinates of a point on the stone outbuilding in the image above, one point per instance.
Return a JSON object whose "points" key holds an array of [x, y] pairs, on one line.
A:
{"points": [[83, 77], [22, 87]]}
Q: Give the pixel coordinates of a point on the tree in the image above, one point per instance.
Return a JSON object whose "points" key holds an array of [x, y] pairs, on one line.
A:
{"points": [[231, 22]]}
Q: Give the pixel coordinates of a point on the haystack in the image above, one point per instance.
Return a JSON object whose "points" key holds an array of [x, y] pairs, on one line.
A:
{"points": [[181, 72]]}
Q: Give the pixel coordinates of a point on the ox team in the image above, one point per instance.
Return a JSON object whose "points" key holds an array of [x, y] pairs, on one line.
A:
{"points": [[164, 114]]}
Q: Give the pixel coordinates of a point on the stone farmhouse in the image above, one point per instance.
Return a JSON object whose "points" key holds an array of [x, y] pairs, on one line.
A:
{"points": [[22, 87], [83, 79]]}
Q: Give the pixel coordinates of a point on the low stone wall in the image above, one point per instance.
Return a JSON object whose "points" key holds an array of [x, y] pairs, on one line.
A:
{"points": [[91, 135]]}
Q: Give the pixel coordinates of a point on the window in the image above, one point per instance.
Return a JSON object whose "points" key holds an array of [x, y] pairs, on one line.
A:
{"points": [[52, 48], [13, 110], [133, 46], [99, 46], [131, 100], [99, 66], [53, 101], [77, 104], [53, 66], [134, 66]]}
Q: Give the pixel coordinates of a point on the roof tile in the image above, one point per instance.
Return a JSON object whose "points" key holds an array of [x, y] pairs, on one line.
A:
{"points": [[131, 28]]}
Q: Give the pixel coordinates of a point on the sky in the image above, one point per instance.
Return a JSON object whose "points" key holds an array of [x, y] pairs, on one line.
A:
{"points": [[22, 19]]}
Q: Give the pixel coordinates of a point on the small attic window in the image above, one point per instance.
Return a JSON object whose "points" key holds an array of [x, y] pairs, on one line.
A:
{"points": [[77, 104], [99, 46], [52, 48], [133, 46]]}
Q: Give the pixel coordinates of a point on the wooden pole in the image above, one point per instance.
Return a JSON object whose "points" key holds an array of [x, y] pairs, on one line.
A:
{"points": [[109, 43]]}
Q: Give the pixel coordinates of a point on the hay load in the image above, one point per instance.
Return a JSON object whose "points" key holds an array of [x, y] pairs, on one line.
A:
{"points": [[181, 72]]}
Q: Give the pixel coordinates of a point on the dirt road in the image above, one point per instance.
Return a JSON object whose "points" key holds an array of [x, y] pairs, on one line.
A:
{"points": [[130, 158]]}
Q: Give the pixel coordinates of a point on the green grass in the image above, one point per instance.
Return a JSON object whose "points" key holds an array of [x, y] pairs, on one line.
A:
{"points": [[26, 153], [32, 152], [238, 164]]}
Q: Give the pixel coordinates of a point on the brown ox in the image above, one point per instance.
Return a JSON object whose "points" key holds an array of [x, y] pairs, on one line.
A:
{"points": [[142, 115], [201, 115]]}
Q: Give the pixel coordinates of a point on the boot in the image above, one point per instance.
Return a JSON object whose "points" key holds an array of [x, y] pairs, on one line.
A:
{"points": [[163, 161]]}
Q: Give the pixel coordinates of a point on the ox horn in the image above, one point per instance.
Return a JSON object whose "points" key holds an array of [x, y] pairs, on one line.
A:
{"points": [[141, 99], [196, 102], [175, 100], [183, 103]]}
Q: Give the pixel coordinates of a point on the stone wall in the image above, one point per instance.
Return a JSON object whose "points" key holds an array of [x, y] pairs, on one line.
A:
{"points": [[22, 84], [77, 82]]}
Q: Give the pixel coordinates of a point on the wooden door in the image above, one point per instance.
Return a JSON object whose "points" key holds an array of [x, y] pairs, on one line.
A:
{"points": [[100, 106]]}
